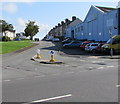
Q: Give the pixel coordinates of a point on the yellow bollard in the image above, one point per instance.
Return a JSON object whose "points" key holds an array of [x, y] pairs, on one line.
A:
{"points": [[52, 58], [38, 54]]}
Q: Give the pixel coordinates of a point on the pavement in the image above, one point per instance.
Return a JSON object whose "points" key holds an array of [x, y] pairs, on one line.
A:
{"points": [[86, 78]]}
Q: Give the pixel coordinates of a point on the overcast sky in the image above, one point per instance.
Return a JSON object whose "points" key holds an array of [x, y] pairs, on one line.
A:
{"points": [[46, 14]]}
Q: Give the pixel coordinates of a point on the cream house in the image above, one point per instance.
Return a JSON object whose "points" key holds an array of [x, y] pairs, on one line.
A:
{"points": [[10, 34]]}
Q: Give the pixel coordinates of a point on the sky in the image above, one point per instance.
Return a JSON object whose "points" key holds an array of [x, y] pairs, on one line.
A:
{"points": [[45, 14]]}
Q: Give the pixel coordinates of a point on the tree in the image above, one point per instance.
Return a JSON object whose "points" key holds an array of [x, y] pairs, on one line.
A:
{"points": [[31, 29], [4, 26]]}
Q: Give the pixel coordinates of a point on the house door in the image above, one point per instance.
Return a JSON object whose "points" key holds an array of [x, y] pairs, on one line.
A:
{"points": [[72, 34]]}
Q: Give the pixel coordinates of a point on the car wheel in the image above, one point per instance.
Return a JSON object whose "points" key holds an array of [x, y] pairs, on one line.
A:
{"points": [[93, 51]]}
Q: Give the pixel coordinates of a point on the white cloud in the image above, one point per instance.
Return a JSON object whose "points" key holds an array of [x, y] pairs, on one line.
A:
{"points": [[10, 7], [21, 22]]}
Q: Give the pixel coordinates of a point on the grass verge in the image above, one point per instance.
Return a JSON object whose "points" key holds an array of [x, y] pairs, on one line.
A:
{"points": [[11, 46]]}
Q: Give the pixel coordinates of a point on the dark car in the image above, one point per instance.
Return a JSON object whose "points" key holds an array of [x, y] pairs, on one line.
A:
{"points": [[36, 39], [73, 44], [68, 40]]}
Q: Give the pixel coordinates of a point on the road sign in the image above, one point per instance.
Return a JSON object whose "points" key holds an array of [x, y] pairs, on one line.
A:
{"points": [[52, 52]]}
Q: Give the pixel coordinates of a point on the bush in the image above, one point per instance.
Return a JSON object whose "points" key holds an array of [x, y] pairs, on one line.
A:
{"points": [[5, 38]]}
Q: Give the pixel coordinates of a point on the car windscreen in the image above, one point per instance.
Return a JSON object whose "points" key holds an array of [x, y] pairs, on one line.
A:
{"points": [[109, 41], [94, 45]]}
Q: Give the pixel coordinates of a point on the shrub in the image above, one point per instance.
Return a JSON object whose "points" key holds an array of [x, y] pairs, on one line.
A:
{"points": [[5, 38]]}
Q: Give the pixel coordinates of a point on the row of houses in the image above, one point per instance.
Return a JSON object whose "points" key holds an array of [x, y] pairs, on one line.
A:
{"points": [[59, 31], [97, 25]]}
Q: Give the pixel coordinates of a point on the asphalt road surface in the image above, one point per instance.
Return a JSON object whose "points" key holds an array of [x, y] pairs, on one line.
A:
{"points": [[80, 79]]}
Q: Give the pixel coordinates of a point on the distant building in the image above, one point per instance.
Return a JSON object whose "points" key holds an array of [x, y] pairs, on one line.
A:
{"points": [[97, 24], [20, 35]]}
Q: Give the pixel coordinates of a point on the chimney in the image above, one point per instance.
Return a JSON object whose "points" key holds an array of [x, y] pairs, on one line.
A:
{"points": [[66, 20], [62, 22], [73, 18], [58, 24]]}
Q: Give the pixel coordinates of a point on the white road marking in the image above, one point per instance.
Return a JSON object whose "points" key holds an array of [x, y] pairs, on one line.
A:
{"points": [[6, 80], [92, 57], [100, 68], [117, 85], [110, 66], [98, 61], [39, 76], [53, 98], [82, 60]]}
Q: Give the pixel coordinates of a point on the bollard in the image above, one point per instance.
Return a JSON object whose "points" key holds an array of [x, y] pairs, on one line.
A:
{"points": [[52, 56], [38, 54]]}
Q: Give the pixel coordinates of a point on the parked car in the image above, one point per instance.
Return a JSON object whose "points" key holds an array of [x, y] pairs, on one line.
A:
{"points": [[73, 44], [55, 39], [36, 39], [83, 44], [68, 40], [113, 43], [93, 47], [99, 48]]}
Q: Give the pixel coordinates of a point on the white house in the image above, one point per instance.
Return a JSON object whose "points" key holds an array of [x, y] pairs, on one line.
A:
{"points": [[10, 34]]}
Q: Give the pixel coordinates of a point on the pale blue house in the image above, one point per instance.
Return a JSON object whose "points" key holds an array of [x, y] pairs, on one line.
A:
{"points": [[97, 24]]}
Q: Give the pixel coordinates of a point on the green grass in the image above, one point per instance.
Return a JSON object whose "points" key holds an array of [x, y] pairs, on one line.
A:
{"points": [[11, 46]]}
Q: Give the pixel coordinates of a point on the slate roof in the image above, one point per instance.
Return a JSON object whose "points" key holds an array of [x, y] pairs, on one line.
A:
{"points": [[105, 9]]}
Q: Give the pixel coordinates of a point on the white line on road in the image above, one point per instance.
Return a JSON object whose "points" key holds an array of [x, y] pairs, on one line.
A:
{"points": [[117, 85], [101, 68], [48, 99], [53, 98], [110, 66], [6, 80]]}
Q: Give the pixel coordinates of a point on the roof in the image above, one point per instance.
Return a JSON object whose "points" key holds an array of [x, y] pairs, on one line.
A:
{"points": [[75, 22], [105, 9]]}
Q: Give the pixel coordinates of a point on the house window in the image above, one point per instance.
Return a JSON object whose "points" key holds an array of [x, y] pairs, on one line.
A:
{"points": [[89, 33], [78, 29], [100, 33], [81, 28], [81, 33]]}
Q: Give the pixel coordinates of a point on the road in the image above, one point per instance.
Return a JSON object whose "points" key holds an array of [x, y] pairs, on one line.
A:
{"points": [[80, 79]]}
